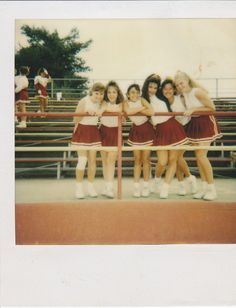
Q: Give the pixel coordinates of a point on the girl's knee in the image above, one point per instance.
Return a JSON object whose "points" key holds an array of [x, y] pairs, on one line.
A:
{"points": [[137, 160], [162, 163]]}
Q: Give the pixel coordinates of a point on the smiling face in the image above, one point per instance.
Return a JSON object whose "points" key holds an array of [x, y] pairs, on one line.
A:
{"points": [[182, 85], [133, 94], [152, 89], [112, 94], [97, 96], [168, 91]]}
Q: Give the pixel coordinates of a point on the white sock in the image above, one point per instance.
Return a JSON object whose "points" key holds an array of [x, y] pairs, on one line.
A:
{"points": [[157, 180], [204, 185], [109, 185], [90, 184], [190, 178], [145, 183], [165, 185], [136, 184], [211, 187]]}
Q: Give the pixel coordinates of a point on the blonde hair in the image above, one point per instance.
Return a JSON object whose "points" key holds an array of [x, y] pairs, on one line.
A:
{"points": [[97, 87], [192, 83]]}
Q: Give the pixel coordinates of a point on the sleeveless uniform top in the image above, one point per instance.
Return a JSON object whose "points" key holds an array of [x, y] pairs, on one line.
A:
{"points": [[137, 120], [191, 100], [111, 121], [158, 106], [43, 81], [21, 88], [178, 106], [90, 106]]}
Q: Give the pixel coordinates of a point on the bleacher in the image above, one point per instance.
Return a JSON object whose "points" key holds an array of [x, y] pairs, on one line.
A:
{"points": [[50, 132]]}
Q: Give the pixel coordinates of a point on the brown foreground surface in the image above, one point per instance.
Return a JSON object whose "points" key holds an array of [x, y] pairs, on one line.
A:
{"points": [[126, 222]]}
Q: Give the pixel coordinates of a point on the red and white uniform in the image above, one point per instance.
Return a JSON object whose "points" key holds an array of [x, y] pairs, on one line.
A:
{"points": [[200, 128], [109, 128], [86, 132], [40, 84], [21, 89], [178, 106], [168, 131], [141, 132]]}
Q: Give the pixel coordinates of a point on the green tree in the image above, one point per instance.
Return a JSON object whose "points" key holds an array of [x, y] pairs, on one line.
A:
{"points": [[61, 56]]}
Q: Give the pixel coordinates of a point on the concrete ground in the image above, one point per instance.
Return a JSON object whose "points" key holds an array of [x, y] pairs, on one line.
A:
{"points": [[63, 190]]}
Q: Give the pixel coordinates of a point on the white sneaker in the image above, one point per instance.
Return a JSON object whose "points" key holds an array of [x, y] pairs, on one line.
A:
{"points": [[192, 180], [91, 190], [79, 193], [16, 120], [110, 193], [211, 193], [210, 196], [164, 191], [136, 192], [104, 191], [145, 192], [202, 192], [181, 189], [155, 187], [22, 125]]}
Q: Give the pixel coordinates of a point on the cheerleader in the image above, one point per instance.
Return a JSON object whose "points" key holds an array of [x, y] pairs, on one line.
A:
{"points": [[167, 132], [113, 99], [177, 104], [40, 84], [141, 133], [86, 133], [21, 94], [201, 130]]}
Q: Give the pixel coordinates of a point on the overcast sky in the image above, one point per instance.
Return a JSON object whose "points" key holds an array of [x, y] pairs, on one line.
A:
{"points": [[135, 48]]}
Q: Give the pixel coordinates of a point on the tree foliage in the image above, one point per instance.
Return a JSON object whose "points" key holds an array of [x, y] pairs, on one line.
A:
{"points": [[61, 56]]}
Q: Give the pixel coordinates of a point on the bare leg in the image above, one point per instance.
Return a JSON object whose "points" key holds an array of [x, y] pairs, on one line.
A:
{"points": [[162, 156], [91, 165], [23, 109], [80, 172], [45, 104], [182, 164], [111, 162], [137, 165], [204, 164], [104, 155], [172, 164], [179, 174], [146, 164], [41, 104]]}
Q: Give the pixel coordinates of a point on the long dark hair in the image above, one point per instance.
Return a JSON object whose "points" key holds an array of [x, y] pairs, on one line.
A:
{"points": [[162, 97], [120, 96], [153, 78]]}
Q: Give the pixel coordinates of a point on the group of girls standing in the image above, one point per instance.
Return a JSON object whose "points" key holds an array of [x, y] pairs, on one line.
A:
{"points": [[181, 94], [22, 95]]}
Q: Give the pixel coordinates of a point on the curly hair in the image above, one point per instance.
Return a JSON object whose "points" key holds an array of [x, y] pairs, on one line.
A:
{"points": [[120, 96], [153, 78]]}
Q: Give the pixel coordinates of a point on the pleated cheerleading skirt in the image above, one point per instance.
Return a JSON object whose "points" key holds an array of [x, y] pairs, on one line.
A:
{"points": [[86, 135], [170, 132], [141, 134], [109, 135], [203, 129]]}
